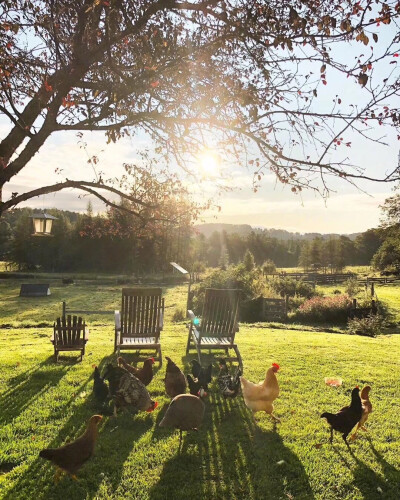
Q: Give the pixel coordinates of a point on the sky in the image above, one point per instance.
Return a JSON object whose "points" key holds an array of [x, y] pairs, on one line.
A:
{"points": [[347, 210]]}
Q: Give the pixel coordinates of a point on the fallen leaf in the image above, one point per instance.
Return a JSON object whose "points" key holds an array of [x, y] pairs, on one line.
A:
{"points": [[318, 446], [333, 382]]}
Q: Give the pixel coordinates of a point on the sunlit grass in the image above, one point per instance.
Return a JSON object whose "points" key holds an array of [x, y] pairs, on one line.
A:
{"points": [[44, 404]]}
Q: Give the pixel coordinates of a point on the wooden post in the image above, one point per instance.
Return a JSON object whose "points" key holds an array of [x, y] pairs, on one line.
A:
{"points": [[64, 308], [354, 303], [372, 289]]}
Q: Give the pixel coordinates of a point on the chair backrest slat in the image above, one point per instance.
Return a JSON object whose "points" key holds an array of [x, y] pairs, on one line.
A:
{"points": [[141, 310], [68, 331], [220, 313]]}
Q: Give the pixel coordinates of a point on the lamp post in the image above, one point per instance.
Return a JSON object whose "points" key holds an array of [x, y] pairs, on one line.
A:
{"points": [[42, 224]]}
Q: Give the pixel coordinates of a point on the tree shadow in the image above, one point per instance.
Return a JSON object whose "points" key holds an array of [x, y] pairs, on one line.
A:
{"points": [[232, 457], [28, 386], [123, 430], [369, 483]]}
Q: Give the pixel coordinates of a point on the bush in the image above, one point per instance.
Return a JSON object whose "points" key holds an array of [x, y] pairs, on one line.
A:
{"points": [[292, 288], [179, 315], [352, 287], [248, 261], [370, 326], [269, 267], [237, 277], [324, 310]]}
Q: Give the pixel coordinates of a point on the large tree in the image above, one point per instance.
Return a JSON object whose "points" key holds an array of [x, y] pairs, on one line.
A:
{"points": [[244, 76]]}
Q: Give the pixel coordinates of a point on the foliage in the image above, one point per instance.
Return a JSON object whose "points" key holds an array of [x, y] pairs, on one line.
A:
{"points": [[352, 287], [86, 241], [388, 255], [370, 326], [237, 277], [291, 287], [178, 316], [248, 261], [269, 267], [324, 310], [192, 73]]}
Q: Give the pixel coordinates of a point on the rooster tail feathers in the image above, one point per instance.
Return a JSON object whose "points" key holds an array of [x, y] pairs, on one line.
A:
{"points": [[208, 373], [96, 374], [47, 454]]}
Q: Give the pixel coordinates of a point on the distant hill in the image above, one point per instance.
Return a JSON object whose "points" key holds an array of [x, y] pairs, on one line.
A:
{"points": [[280, 234]]}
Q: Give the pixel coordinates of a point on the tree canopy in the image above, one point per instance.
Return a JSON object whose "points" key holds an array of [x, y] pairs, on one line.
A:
{"points": [[244, 76]]}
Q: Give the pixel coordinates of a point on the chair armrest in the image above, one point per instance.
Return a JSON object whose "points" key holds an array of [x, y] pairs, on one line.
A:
{"points": [[117, 318], [191, 315]]}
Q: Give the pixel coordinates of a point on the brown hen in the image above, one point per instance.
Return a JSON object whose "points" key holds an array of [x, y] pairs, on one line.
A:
{"points": [[70, 457]]}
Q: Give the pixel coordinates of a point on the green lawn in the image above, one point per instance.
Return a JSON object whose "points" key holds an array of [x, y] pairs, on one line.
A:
{"points": [[44, 404]]}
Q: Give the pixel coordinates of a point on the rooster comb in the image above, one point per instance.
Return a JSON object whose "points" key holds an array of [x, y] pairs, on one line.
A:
{"points": [[275, 365]]}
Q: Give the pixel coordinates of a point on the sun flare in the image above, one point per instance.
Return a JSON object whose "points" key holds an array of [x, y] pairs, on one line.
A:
{"points": [[209, 162]]}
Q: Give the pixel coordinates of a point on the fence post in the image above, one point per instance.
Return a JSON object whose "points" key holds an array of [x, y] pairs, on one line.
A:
{"points": [[64, 308], [354, 303]]}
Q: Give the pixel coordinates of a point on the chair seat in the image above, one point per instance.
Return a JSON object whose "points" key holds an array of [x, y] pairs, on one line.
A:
{"points": [[135, 341], [78, 344], [213, 341]]}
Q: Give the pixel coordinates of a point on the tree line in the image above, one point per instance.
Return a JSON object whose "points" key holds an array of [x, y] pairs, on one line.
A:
{"points": [[117, 241]]}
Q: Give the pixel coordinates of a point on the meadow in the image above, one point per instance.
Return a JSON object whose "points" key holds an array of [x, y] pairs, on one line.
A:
{"points": [[44, 404]]}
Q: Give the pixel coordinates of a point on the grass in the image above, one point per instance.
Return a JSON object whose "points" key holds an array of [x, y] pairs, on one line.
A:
{"points": [[45, 404]]}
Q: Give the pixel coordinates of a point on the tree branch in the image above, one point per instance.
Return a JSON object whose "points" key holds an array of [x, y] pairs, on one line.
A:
{"points": [[89, 187]]}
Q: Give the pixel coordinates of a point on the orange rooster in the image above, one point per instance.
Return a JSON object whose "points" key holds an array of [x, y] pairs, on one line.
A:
{"points": [[144, 374], [260, 397], [366, 410]]}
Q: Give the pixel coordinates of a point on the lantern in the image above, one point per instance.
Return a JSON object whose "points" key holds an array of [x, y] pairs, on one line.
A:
{"points": [[42, 224]]}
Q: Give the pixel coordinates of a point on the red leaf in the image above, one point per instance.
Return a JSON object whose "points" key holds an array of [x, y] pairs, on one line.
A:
{"points": [[155, 84]]}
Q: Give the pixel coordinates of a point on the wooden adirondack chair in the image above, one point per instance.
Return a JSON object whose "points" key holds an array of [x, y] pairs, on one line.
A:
{"points": [[70, 334], [138, 326], [218, 325]]}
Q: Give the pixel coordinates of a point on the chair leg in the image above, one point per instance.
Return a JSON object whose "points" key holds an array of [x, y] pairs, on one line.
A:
{"points": [[160, 356], [239, 357], [198, 352], [188, 341]]}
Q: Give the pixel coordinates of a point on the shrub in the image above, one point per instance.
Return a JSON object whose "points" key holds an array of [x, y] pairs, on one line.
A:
{"points": [[324, 309], [291, 287], [237, 277], [370, 326], [179, 315], [336, 292], [248, 261], [269, 267], [351, 287]]}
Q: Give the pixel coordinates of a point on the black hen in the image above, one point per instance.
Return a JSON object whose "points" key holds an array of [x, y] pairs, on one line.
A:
{"points": [[113, 374], [346, 418], [100, 388], [203, 375], [195, 387], [228, 384]]}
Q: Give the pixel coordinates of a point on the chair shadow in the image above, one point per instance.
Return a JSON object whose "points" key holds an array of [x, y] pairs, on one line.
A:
{"points": [[232, 457], [122, 430], [28, 386]]}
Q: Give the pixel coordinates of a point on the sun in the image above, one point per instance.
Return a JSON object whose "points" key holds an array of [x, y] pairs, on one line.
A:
{"points": [[209, 162]]}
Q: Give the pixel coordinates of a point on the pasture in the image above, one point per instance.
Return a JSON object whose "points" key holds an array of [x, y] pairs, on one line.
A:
{"points": [[43, 404]]}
